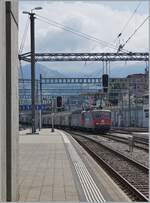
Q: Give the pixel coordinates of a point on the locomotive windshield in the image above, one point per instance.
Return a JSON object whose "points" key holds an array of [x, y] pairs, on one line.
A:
{"points": [[101, 114]]}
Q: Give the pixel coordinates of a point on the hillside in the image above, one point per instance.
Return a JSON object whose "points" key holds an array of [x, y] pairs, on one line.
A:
{"points": [[39, 69]]}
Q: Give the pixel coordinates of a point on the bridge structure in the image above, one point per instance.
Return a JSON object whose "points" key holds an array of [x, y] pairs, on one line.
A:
{"points": [[71, 81], [72, 90], [77, 88], [62, 57], [104, 57], [61, 83]]}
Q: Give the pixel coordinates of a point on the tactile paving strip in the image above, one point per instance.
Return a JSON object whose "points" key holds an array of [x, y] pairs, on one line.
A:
{"points": [[91, 191]]}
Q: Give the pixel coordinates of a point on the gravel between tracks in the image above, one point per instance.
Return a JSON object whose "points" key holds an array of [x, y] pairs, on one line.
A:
{"points": [[137, 154], [134, 175]]}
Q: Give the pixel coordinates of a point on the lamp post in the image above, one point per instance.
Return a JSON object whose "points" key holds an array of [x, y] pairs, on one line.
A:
{"points": [[52, 130], [32, 42], [129, 107], [40, 101]]}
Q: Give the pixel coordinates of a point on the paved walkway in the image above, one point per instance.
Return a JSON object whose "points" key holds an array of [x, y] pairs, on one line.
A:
{"points": [[55, 168], [45, 171]]}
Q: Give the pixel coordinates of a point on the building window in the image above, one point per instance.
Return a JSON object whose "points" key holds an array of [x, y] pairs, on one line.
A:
{"points": [[146, 113]]}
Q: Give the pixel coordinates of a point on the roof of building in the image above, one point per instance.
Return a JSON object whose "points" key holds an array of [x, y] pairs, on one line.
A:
{"points": [[138, 75]]}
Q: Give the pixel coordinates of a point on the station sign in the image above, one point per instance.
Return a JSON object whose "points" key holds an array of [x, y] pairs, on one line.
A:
{"points": [[37, 107]]}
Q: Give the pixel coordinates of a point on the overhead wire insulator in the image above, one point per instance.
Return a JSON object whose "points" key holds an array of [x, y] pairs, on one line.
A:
{"points": [[119, 35], [120, 48]]}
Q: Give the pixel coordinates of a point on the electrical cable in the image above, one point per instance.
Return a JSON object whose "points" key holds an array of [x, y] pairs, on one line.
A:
{"points": [[74, 32], [135, 31], [24, 36], [22, 77], [124, 27], [15, 20], [81, 34]]}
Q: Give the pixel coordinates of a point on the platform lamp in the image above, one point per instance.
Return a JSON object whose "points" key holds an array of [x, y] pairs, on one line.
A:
{"points": [[32, 42]]}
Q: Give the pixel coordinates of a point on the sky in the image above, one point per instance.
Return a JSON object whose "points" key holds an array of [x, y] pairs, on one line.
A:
{"points": [[101, 19]]}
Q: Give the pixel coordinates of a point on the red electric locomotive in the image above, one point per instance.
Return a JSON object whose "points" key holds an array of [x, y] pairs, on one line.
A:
{"points": [[92, 120], [97, 120]]}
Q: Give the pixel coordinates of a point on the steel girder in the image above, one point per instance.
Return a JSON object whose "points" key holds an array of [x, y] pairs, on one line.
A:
{"points": [[64, 81], [52, 57]]}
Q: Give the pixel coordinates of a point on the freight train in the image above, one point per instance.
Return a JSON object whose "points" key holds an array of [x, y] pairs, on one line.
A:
{"points": [[92, 120]]}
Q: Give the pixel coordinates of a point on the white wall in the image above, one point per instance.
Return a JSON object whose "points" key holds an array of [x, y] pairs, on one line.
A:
{"points": [[14, 100], [2, 104]]}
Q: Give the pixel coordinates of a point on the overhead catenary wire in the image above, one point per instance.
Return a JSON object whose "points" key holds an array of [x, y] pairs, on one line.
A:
{"points": [[81, 34], [76, 33], [128, 21], [24, 36], [135, 31], [22, 77], [69, 28], [14, 19]]}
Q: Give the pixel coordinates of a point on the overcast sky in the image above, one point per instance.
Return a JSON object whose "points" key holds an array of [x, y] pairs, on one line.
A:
{"points": [[103, 20]]}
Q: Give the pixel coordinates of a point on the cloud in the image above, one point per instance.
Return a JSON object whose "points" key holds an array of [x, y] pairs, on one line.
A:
{"points": [[94, 18], [62, 41]]}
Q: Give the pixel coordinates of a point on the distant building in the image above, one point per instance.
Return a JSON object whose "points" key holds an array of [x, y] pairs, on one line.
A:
{"points": [[131, 111], [135, 84], [117, 87], [129, 100], [146, 110]]}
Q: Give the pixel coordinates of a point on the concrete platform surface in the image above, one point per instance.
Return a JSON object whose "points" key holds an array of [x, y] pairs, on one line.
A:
{"points": [[53, 167]]}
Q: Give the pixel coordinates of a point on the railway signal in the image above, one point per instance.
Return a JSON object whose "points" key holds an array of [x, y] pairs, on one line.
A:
{"points": [[105, 82], [59, 102]]}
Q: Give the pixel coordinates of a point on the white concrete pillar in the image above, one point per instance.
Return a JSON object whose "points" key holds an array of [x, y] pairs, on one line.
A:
{"points": [[2, 103], [8, 100]]}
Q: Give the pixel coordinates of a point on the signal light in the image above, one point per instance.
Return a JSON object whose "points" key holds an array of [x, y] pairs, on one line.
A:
{"points": [[105, 90], [59, 102], [105, 80]]}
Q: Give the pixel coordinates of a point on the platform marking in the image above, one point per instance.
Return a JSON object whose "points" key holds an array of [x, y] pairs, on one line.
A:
{"points": [[91, 191]]}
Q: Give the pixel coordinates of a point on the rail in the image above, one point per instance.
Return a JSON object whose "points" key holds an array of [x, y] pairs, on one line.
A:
{"points": [[124, 173]]}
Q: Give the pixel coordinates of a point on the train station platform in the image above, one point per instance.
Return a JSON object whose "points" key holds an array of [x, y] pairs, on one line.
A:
{"points": [[54, 167]]}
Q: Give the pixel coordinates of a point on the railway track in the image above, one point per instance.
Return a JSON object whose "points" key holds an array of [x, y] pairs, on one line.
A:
{"points": [[128, 130], [142, 139], [137, 142], [130, 175]]}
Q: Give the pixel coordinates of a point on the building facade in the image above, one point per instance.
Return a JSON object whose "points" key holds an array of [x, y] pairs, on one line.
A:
{"points": [[135, 84], [127, 100]]}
